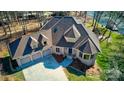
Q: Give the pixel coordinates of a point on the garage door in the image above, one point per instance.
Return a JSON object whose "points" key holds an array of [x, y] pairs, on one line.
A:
{"points": [[47, 52], [25, 60], [36, 56]]}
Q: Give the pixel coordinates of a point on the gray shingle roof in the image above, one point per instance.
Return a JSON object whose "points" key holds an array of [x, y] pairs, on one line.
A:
{"points": [[88, 47], [87, 42], [70, 33], [52, 22], [93, 38], [63, 24]]}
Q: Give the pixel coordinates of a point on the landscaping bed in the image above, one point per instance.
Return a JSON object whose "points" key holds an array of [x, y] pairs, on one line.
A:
{"points": [[59, 58]]}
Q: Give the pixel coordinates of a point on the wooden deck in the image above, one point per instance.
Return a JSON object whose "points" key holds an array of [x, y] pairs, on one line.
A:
{"points": [[78, 65]]}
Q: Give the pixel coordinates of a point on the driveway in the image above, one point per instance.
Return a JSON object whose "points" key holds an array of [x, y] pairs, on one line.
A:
{"points": [[48, 70]]}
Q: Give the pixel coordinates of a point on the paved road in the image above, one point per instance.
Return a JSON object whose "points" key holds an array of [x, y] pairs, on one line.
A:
{"points": [[39, 72]]}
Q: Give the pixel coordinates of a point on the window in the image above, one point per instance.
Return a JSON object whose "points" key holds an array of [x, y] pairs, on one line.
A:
{"points": [[80, 54], [86, 56], [57, 50], [70, 51], [92, 56], [34, 46], [45, 43]]}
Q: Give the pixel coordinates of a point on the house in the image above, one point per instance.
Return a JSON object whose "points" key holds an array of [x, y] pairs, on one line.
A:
{"points": [[61, 36]]}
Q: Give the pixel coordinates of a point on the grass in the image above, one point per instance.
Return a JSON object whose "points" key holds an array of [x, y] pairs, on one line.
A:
{"points": [[113, 50], [73, 76], [18, 76]]}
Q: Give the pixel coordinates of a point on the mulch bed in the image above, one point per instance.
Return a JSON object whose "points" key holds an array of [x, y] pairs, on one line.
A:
{"points": [[14, 63], [59, 58], [78, 65]]}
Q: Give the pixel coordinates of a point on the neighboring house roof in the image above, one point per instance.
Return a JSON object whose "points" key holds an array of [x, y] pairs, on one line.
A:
{"points": [[55, 31]]}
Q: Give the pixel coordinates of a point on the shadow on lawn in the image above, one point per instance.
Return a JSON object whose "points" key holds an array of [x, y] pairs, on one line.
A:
{"points": [[70, 70], [6, 69], [7, 66]]}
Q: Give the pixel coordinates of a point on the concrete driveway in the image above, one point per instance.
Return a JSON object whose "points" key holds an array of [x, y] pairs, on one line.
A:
{"points": [[47, 70]]}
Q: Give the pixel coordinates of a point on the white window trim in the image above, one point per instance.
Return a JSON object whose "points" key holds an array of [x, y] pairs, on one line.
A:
{"points": [[43, 42], [86, 54], [59, 50]]}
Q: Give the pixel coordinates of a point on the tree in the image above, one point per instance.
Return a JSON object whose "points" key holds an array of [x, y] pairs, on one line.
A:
{"points": [[85, 16], [22, 21], [7, 17], [2, 23], [115, 18], [40, 18], [96, 19], [6, 22]]}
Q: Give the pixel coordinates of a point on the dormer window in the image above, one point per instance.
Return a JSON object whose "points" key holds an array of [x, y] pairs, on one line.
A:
{"points": [[34, 46], [72, 34], [45, 43]]}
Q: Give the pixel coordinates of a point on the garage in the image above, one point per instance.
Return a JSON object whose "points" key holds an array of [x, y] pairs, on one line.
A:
{"points": [[25, 60], [36, 56], [46, 52]]}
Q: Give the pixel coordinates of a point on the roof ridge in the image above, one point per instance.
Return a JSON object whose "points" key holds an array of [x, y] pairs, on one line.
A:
{"points": [[56, 23], [45, 24], [68, 29], [84, 40], [34, 39]]}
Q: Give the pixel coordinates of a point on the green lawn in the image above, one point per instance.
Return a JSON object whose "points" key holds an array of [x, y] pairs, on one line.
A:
{"points": [[112, 51], [18, 76]]}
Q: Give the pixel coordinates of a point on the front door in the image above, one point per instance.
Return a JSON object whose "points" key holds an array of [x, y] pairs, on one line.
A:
{"points": [[70, 51]]}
